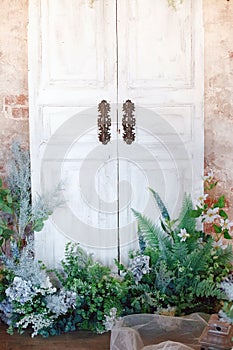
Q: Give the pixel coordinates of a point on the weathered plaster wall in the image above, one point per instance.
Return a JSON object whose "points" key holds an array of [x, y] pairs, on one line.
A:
{"points": [[218, 22], [13, 75]]}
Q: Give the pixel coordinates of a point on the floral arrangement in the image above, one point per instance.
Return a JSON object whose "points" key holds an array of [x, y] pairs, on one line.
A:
{"points": [[29, 298], [177, 269]]}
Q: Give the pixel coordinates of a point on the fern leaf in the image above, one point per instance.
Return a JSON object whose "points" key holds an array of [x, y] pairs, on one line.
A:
{"points": [[208, 289], [225, 256], [161, 205], [179, 252], [185, 219], [147, 229]]}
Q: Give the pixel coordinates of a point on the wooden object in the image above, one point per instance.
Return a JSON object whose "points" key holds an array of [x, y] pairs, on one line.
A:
{"points": [[216, 335]]}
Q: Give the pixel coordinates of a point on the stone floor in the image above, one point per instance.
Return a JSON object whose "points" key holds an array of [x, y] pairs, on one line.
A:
{"points": [[80, 340]]}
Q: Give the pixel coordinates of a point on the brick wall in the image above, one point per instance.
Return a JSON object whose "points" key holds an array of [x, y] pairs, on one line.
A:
{"points": [[218, 22], [13, 76]]}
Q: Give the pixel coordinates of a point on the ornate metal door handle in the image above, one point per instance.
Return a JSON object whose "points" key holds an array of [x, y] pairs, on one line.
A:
{"points": [[128, 122], [104, 122]]}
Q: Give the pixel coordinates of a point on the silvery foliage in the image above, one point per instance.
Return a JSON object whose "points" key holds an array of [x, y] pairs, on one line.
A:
{"points": [[19, 183], [6, 310], [20, 291], [111, 319], [45, 204], [37, 322], [227, 286], [140, 266], [60, 303], [23, 265], [32, 283]]}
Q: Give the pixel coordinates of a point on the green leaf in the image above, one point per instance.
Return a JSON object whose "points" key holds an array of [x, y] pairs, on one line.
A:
{"points": [[38, 226], [5, 208], [223, 214], [195, 213], [160, 204], [220, 203], [217, 228], [9, 199], [227, 235]]}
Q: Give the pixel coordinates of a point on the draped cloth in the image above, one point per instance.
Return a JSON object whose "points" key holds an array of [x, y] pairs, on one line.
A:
{"points": [[158, 332]]}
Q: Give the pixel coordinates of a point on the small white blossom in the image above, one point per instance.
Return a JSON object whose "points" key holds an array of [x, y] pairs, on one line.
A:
{"points": [[226, 224], [201, 200], [209, 176], [211, 215], [219, 244], [183, 234]]}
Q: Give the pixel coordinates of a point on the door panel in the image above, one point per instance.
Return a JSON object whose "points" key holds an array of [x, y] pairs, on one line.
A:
{"points": [[161, 70], [72, 60], [113, 50]]}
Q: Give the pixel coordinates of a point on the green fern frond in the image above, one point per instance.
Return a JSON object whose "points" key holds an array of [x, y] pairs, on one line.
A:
{"points": [[185, 219], [225, 256], [152, 233], [179, 251], [147, 228], [198, 259], [161, 205], [208, 289]]}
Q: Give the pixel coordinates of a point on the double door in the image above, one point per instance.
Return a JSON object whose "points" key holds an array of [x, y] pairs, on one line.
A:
{"points": [[136, 65]]}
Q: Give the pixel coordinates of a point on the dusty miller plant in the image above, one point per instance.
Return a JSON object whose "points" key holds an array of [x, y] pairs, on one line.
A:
{"points": [[29, 299], [19, 215]]}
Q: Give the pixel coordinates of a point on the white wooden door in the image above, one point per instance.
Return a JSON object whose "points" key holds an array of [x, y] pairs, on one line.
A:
{"points": [[82, 53], [160, 68]]}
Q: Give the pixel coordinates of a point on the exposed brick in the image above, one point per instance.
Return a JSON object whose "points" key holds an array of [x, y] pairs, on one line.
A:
{"points": [[16, 113], [10, 100], [25, 113], [16, 106]]}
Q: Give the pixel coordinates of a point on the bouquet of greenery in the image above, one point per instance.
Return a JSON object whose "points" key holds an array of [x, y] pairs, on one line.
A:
{"points": [[179, 268], [29, 299], [100, 294]]}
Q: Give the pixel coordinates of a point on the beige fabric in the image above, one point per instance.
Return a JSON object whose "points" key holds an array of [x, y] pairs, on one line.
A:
{"points": [[157, 332]]}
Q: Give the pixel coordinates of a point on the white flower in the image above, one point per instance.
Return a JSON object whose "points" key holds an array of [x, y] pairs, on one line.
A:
{"points": [[211, 215], [219, 244], [209, 176], [201, 200], [183, 234], [226, 224]]}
